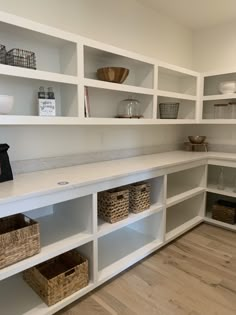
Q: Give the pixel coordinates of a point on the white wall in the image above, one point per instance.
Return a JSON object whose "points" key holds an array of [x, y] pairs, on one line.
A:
{"points": [[123, 23], [215, 48]]}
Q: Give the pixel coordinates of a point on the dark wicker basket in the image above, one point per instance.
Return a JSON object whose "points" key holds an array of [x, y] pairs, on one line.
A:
{"points": [[224, 211], [113, 205], [21, 58], [58, 277], [3, 54], [19, 239]]}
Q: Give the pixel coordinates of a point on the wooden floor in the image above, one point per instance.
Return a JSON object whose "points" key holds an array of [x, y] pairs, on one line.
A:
{"points": [[194, 275]]}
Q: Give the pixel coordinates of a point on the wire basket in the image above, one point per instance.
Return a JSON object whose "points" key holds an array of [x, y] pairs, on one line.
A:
{"points": [[169, 110], [3, 54], [21, 58]]}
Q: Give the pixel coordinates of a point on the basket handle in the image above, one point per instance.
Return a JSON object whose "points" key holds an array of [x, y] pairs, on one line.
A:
{"points": [[120, 197], [69, 272]]}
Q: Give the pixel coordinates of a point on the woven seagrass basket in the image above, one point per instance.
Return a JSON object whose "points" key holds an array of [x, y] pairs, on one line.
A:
{"points": [[19, 239], [139, 198], [113, 205], [58, 277]]}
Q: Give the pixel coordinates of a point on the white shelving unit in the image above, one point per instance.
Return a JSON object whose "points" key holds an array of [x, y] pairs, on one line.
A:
{"points": [[110, 248], [68, 63]]}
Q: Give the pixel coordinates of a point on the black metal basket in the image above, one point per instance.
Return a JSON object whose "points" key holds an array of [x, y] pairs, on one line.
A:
{"points": [[3, 54], [21, 58]]}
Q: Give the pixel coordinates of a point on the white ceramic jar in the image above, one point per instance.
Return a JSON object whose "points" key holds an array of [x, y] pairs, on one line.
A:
{"points": [[227, 87], [6, 104]]}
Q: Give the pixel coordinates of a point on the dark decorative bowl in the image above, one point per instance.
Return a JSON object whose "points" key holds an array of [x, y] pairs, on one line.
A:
{"points": [[113, 74]]}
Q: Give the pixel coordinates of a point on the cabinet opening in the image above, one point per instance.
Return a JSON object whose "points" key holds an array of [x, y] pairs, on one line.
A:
{"points": [[174, 81], [120, 244], [52, 54], [182, 213], [140, 73], [186, 180], [25, 92], [187, 108]]}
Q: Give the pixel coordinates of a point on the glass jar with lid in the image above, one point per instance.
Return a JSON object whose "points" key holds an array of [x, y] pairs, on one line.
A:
{"points": [[129, 108], [232, 109], [221, 111]]}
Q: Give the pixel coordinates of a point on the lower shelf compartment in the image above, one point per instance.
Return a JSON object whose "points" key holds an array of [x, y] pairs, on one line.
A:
{"points": [[27, 302], [122, 248], [183, 216], [183, 228]]}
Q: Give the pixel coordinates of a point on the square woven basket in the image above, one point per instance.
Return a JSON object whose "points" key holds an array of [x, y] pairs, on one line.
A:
{"points": [[19, 239], [113, 205], [58, 277], [139, 198]]}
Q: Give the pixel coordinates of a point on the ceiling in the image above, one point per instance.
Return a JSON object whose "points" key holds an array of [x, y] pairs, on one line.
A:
{"points": [[195, 14]]}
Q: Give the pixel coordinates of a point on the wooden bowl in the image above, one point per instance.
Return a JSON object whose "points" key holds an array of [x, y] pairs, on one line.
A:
{"points": [[113, 74]]}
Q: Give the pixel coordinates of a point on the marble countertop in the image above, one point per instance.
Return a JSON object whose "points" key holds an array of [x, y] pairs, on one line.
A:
{"points": [[45, 182]]}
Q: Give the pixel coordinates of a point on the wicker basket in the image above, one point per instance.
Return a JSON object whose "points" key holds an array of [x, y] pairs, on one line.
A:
{"points": [[113, 205], [19, 239], [139, 198], [3, 54], [21, 58], [169, 110], [58, 277], [224, 211]]}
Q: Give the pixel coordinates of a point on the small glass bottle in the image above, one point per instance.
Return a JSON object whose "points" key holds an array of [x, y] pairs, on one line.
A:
{"points": [[41, 93], [51, 95], [221, 181]]}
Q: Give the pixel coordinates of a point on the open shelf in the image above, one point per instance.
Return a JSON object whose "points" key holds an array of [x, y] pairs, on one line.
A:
{"points": [[229, 180], [212, 197], [52, 54], [183, 183], [25, 92], [187, 108], [175, 81], [27, 302], [211, 85], [63, 226], [157, 201], [104, 103], [122, 248], [141, 73], [183, 216], [208, 110], [106, 228]]}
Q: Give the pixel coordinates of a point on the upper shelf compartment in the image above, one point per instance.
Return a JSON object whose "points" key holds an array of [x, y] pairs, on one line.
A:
{"points": [[212, 89], [53, 54], [140, 73], [174, 81]]}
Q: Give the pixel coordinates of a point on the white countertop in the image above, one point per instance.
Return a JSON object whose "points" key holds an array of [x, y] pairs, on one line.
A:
{"points": [[45, 182]]}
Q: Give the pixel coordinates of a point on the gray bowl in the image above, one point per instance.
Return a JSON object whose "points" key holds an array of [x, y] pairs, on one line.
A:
{"points": [[197, 139]]}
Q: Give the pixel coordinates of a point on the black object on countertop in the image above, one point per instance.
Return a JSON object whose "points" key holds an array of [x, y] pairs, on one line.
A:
{"points": [[5, 166]]}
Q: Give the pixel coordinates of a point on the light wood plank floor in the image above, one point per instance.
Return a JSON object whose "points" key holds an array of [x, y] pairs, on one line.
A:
{"points": [[194, 275]]}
